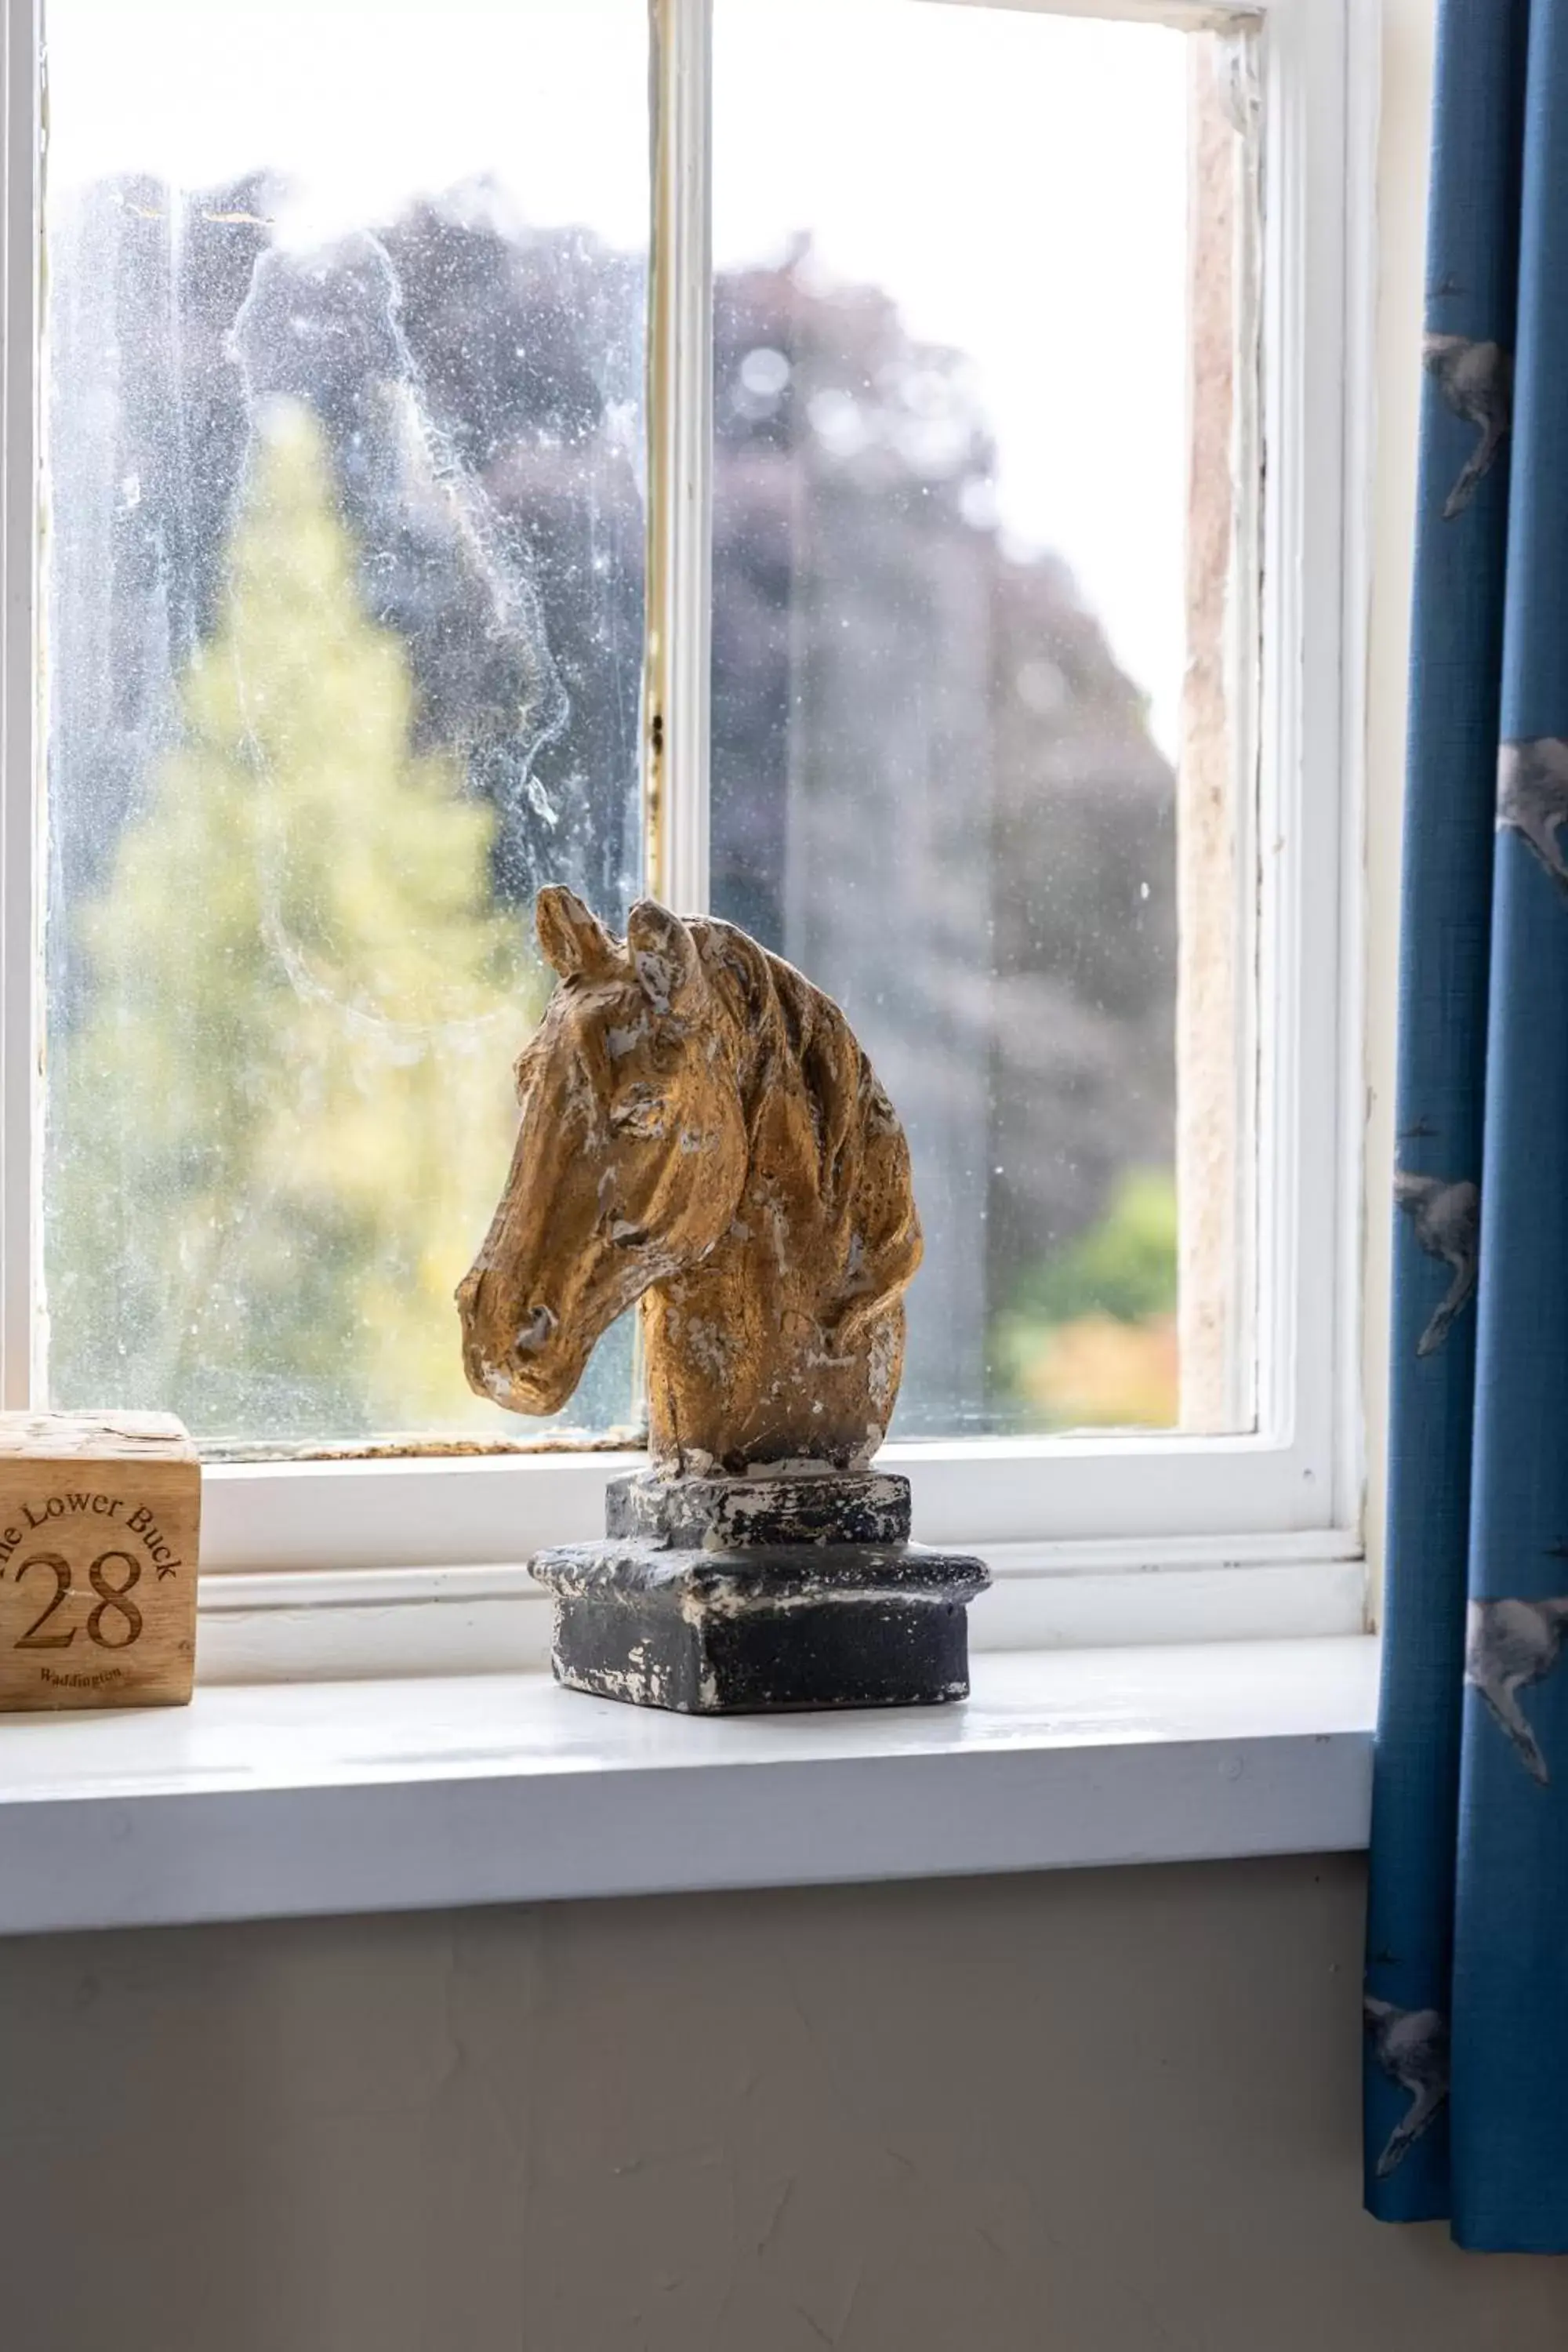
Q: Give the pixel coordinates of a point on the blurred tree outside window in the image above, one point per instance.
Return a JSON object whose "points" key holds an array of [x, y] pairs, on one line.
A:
{"points": [[296, 1025]]}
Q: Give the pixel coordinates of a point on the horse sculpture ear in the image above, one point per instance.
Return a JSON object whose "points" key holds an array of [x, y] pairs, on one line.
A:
{"points": [[664, 955], [570, 937]]}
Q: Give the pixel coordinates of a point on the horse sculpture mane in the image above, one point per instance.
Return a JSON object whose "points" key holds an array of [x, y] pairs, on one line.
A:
{"points": [[700, 1131]]}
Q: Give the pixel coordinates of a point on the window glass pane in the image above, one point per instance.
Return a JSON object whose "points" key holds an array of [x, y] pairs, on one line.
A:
{"points": [[345, 524], [975, 620]]}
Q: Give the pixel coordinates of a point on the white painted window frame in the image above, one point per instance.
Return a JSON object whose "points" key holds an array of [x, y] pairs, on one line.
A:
{"points": [[1094, 1538]]}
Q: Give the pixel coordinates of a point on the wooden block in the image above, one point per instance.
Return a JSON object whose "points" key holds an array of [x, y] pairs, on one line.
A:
{"points": [[100, 1518]]}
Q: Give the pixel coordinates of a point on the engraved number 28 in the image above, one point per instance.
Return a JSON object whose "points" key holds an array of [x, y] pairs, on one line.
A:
{"points": [[113, 1605]]}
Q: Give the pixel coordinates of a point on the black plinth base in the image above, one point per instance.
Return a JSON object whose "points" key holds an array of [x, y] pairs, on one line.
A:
{"points": [[733, 1596]]}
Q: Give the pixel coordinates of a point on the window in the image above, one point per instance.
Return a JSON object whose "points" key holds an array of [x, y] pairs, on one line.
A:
{"points": [[343, 611], [906, 504]]}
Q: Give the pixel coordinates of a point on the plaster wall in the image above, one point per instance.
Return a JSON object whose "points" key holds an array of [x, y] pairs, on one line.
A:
{"points": [[1095, 2111]]}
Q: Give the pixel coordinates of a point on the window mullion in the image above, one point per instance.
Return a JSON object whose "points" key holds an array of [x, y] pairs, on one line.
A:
{"points": [[679, 403], [19, 168]]}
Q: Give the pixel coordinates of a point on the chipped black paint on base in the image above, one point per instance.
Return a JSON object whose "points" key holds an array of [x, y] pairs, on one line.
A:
{"points": [[724, 1620], [806, 1506]]}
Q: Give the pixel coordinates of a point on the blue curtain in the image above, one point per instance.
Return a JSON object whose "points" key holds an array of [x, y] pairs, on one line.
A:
{"points": [[1466, 1985]]}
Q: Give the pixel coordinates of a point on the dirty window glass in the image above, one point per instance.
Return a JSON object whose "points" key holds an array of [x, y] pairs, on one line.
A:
{"points": [[344, 555], [980, 448]]}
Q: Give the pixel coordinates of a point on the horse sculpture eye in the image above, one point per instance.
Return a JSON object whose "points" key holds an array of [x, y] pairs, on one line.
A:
{"points": [[640, 1115]]}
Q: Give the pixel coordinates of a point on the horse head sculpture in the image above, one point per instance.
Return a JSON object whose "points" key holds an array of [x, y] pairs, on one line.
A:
{"points": [[702, 1132]]}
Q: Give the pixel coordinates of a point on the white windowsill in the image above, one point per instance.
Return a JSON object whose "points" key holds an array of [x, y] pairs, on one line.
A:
{"points": [[264, 1801]]}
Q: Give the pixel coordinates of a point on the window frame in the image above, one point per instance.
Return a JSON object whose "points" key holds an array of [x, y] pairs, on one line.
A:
{"points": [[1287, 1497]]}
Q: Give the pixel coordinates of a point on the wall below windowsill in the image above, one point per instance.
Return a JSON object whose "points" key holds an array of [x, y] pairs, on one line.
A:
{"points": [[268, 1800]]}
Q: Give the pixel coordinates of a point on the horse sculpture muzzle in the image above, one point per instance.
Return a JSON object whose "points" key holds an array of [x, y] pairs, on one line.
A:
{"points": [[512, 1357]]}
